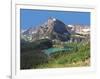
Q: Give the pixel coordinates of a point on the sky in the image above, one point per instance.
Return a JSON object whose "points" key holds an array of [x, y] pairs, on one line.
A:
{"points": [[34, 18]]}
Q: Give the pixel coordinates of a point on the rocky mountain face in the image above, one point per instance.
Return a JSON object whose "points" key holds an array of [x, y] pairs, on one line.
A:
{"points": [[53, 29]]}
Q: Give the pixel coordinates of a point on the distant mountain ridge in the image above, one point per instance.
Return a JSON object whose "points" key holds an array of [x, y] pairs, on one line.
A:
{"points": [[53, 29]]}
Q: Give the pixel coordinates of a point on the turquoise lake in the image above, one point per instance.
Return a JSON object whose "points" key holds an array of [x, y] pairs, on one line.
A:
{"points": [[53, 50]]}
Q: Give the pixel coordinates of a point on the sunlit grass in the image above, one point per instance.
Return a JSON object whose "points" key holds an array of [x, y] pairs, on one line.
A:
{"points": [[75, 59]]}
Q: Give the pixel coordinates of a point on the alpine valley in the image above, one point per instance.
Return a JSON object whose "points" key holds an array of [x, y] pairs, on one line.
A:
{"points": [[55, 44]]}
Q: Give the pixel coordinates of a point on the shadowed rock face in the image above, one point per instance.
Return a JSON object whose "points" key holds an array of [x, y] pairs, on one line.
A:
{"points": [[59, 27], [52, 29]]}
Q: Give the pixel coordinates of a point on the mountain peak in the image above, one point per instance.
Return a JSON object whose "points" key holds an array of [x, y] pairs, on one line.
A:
{"points": [[52, 18], [53, 29]]}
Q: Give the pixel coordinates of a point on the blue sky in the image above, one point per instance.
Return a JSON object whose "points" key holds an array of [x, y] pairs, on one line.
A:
{"points": [[34, 18]]}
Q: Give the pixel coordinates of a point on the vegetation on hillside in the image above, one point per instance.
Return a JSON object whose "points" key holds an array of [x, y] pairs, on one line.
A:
{"points": [[79, 57], [32, 55]]}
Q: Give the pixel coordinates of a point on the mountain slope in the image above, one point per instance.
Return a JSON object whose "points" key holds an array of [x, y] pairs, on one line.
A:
{"points": [[51, 29]]}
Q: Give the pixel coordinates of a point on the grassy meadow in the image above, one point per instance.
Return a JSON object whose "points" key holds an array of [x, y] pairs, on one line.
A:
{"points": [[32, 55]]}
